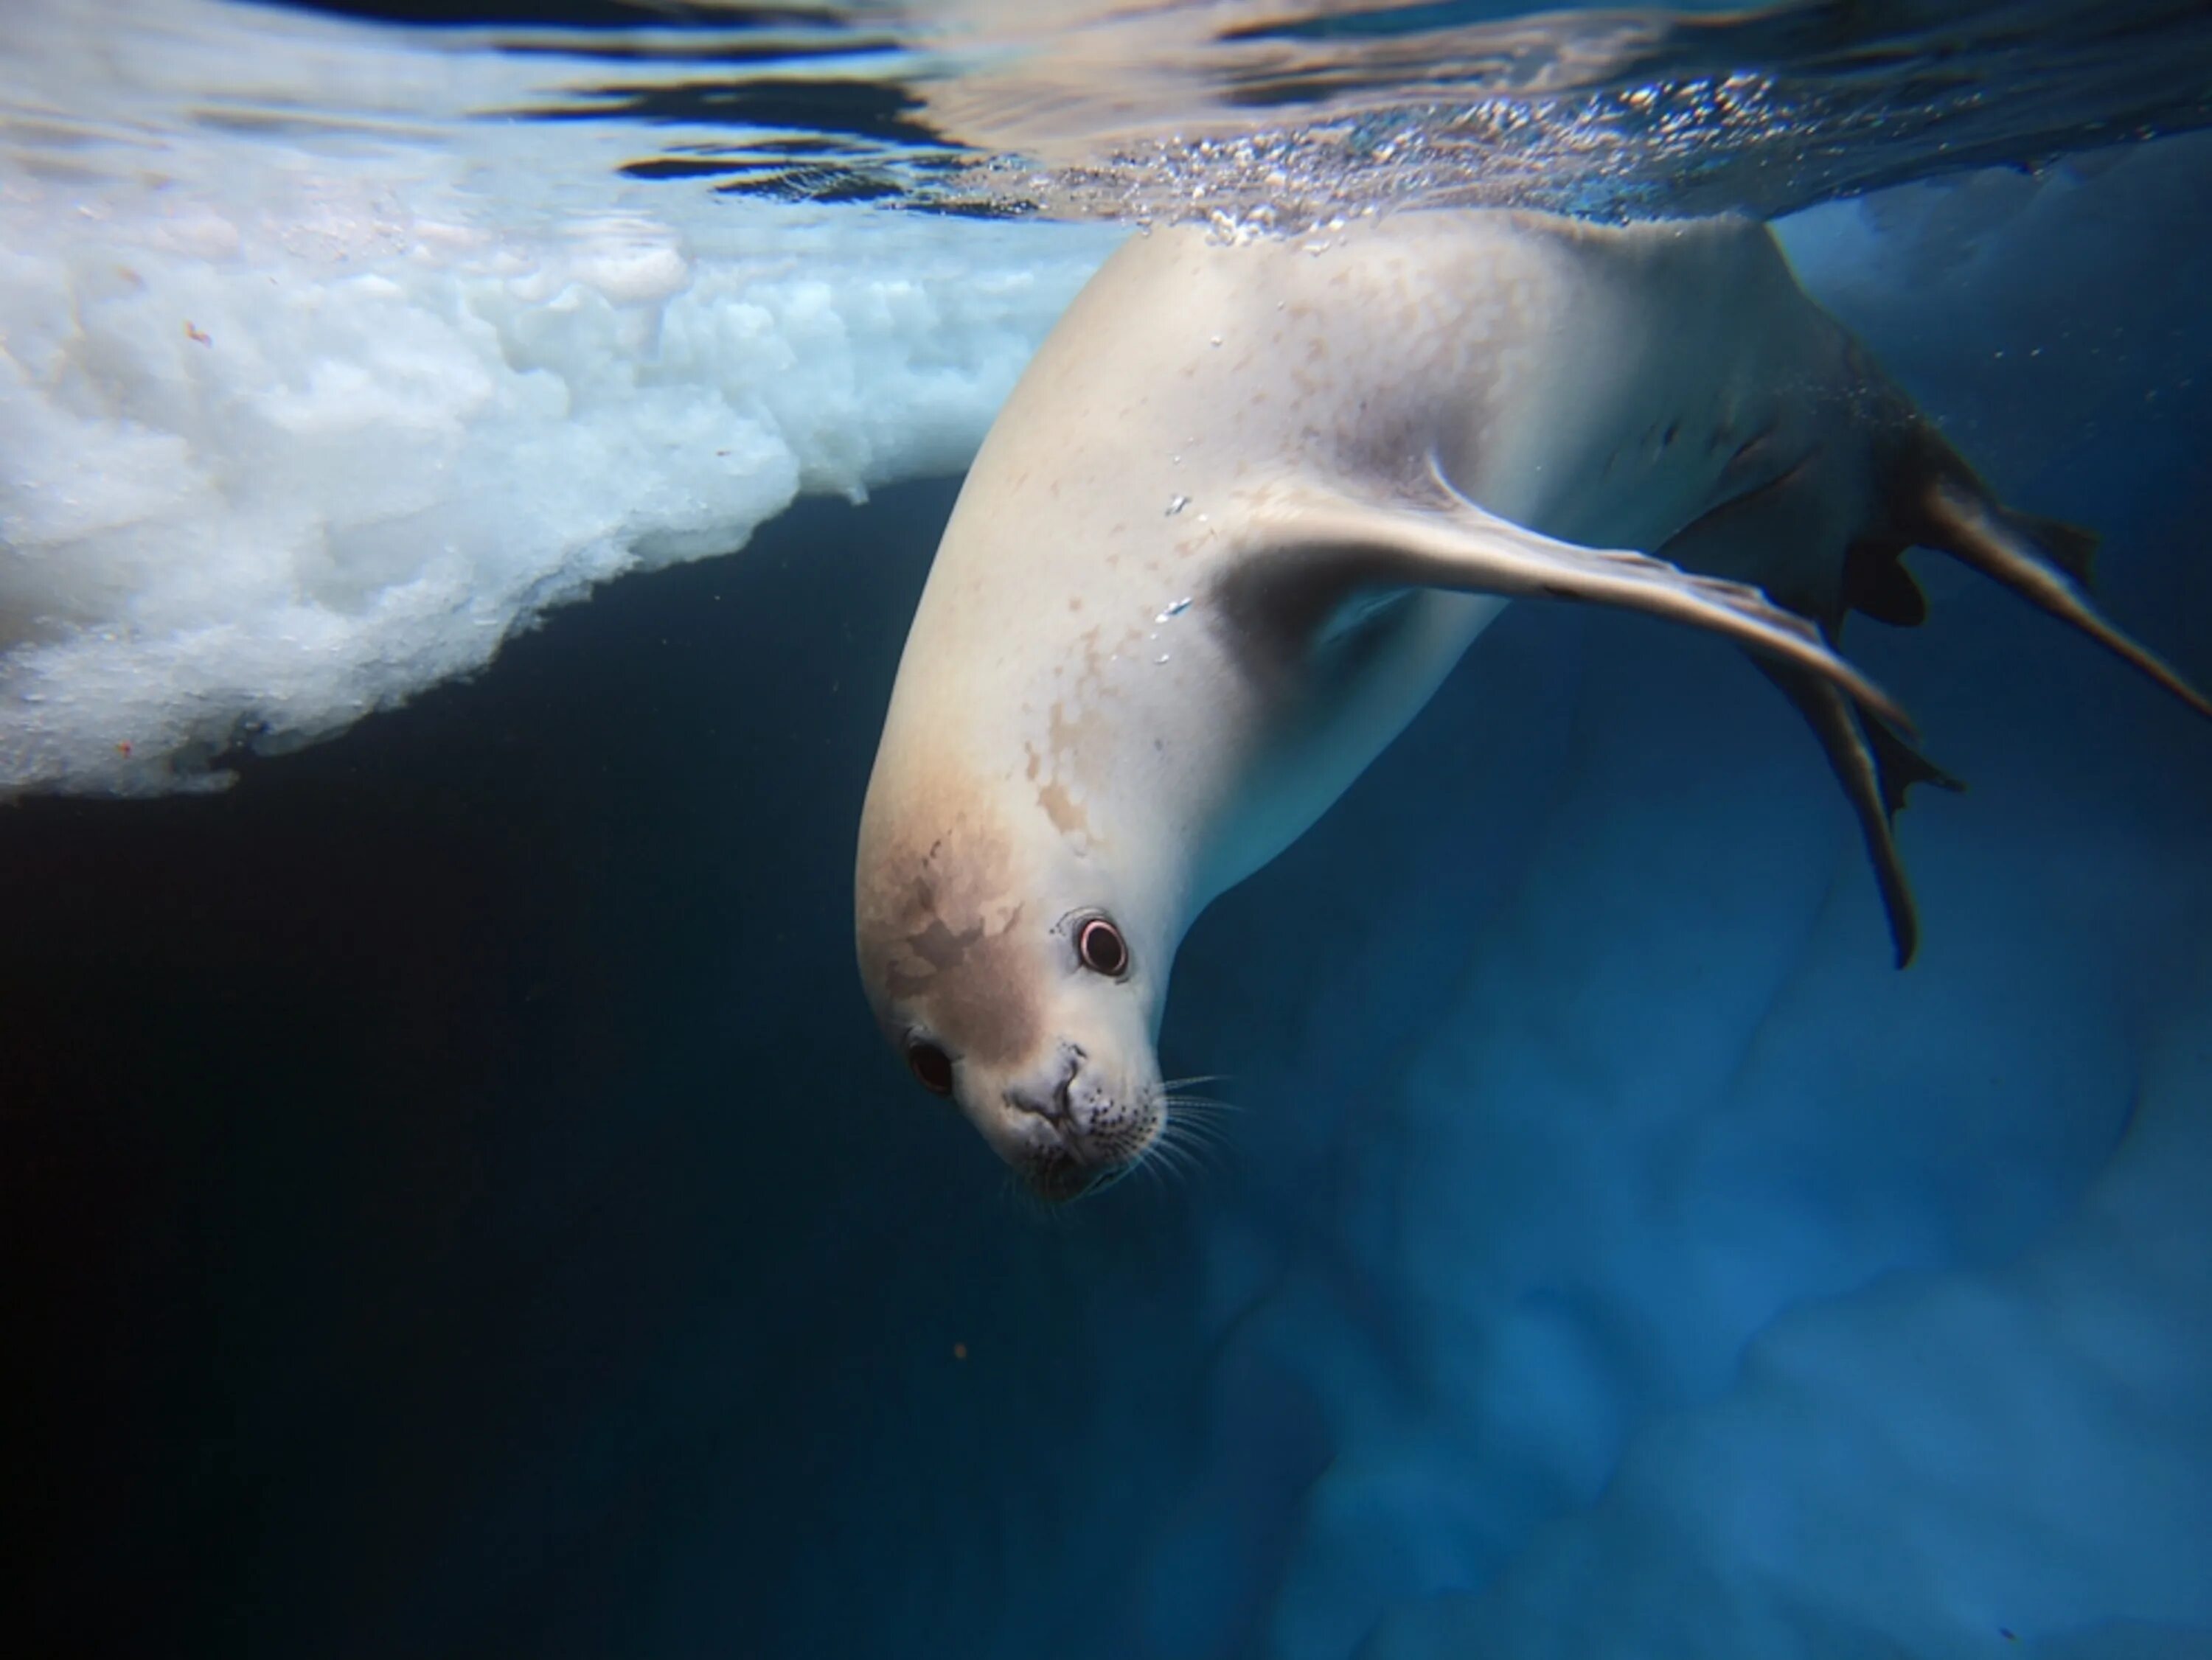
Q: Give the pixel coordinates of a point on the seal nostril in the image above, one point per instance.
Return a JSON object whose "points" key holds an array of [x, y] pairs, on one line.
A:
{"points": [[1057, 1109], [1053, 1109]]}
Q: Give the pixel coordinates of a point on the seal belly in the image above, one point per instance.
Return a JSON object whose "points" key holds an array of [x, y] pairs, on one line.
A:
{"points": [[1365, 680]]}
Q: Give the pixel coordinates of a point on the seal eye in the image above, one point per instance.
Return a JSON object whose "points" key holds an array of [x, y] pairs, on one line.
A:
{"points": [[931, 1066], [1101, 948]]}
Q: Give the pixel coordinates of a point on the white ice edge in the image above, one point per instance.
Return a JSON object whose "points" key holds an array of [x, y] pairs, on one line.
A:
{"points": [[289, 434]]}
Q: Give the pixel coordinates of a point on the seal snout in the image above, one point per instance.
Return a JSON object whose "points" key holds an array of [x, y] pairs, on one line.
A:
{"points": [[1051, 1105], [1078, 1131]]}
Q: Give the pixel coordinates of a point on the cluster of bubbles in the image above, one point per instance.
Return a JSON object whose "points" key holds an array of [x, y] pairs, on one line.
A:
{"points": [[1767, 113], [1616, 155]]}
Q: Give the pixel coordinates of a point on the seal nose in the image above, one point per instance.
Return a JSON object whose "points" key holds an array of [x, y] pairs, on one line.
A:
{"points": [[1058, 1163], [1051, 1105]]}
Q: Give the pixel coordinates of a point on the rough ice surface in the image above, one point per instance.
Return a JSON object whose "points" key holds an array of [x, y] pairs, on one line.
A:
{"points": [[271, 463], [292, 429]]}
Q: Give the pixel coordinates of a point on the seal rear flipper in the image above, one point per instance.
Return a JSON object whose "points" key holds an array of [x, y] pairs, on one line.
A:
{"points": [[1875, 584], [1876, 768], [2044, 561], [1900, 766], [1319, 545]]}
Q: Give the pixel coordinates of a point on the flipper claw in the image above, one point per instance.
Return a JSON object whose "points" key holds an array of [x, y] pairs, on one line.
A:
{"points": [[1900, 766]]}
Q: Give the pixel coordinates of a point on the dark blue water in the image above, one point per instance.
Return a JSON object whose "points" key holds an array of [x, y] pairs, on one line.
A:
{"points": [[456, 1203]]}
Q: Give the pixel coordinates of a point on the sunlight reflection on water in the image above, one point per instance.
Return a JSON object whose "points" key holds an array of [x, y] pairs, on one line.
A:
{"points": [[1256, 114]]}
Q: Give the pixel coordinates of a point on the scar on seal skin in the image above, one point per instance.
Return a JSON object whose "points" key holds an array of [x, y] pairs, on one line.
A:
{"points": [[1245, 510]]}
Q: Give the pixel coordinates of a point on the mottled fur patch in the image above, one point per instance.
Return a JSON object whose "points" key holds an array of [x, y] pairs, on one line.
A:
{"points": [[939, 942]]}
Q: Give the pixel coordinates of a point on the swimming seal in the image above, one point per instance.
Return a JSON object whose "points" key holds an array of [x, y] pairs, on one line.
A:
{"points": [[1244, 512]]}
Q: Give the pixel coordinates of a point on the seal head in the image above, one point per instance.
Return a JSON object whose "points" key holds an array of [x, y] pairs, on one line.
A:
{"points": [[1009, 982]]}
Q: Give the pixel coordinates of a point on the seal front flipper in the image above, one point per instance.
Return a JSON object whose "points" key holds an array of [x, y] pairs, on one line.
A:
{"points": [[1316, 546]]}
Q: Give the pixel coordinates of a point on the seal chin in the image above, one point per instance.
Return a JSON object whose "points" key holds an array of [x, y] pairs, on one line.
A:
{"points": [[1062, 1178], [1067, 1168]]}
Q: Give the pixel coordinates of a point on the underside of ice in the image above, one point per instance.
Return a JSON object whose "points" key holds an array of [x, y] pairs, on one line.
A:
{"points": [[272, 463], [289, 434]]}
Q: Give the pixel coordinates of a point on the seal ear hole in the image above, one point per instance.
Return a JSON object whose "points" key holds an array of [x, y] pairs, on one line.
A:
{"points": [[931, 1066], [1101, 949]]}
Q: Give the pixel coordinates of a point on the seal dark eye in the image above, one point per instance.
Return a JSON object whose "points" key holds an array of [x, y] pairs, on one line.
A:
{"points": [[931, 1066], [1101, 948]]}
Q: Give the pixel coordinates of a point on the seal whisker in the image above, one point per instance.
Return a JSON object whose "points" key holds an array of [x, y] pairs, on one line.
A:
{"points": [[1142, 1166], [1186, 1150], [1201, 1127], [1193, 1129], [1206, 1131], [1202, 1143], [1173, 1084], [1167, 1154], [1200, 1161], [1172, 1168], [1199, 1120]]}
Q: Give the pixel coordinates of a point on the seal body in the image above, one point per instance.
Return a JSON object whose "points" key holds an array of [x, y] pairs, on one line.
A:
{"points": [[1244, 512]]}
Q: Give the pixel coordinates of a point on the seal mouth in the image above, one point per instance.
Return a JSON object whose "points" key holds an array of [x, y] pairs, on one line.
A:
{"points": [[1060, 1176], [1077, 1154], [1074, 1164]]}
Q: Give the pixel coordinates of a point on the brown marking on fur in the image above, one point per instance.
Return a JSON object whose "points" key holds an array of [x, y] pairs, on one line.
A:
{"points": [[1066, 815], [1072, 737], [940, 939], [983, 1002]]}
